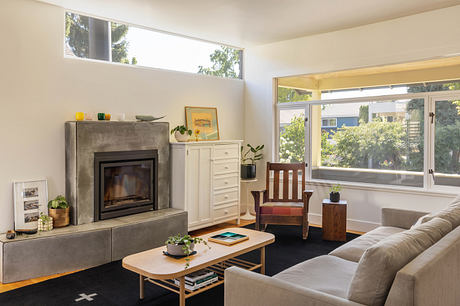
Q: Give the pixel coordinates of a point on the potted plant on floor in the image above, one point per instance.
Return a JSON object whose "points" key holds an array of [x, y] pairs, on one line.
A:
{"points": [[248, 161], [59, 210], [183, 246], [181, 133], [334, 193]]}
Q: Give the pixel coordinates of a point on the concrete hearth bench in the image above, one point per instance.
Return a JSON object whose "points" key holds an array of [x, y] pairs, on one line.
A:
{"points": [[88, 245]]}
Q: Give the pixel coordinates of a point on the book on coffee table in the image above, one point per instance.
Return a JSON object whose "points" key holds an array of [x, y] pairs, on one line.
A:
{"points": [[228, 238]]}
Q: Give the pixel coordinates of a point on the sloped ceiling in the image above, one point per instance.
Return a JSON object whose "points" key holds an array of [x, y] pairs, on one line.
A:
{"points": [[246, 23]]}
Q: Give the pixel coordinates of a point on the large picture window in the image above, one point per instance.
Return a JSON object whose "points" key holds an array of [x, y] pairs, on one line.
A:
{"points": [[93, 38], [410, 139]]}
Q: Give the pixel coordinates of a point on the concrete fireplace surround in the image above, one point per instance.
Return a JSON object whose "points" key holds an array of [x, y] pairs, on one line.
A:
{"points": [[84, 138], [86, 243]]}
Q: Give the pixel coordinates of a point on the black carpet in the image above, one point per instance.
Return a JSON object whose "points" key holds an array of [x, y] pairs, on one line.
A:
{"points": [[116, 286]]}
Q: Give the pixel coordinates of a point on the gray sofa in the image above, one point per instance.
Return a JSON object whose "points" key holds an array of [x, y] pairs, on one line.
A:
{"points": [[412, 259]]}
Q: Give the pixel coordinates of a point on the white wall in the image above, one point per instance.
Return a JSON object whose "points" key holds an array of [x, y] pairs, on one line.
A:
{"points": [[423, 36], [40, 90]]}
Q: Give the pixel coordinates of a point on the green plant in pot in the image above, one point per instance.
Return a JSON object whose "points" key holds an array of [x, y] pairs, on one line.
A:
{"points": [[59, 209], [183, 246], [45, 223], [248, 161], [181, 133], [334, 193]]}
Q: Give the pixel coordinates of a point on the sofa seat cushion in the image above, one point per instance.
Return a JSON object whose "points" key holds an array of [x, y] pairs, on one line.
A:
{"points": [[282, 208], [379, 264], [328, 274], [354, 249]]}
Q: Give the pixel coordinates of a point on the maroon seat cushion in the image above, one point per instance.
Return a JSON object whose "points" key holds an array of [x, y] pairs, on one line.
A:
{"points": [[282, 208]]}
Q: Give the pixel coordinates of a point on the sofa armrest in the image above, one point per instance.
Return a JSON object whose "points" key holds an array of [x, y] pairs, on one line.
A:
{"points": [[400, 217], [243, 287]]}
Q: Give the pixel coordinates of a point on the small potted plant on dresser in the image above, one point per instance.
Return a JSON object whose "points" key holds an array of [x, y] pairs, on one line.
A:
{"points": [[248, 161], [181, 133], [59, 210], [334, 193]]}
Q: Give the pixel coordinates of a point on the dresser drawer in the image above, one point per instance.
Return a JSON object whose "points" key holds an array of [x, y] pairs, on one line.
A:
{"points": [[226, 167], [225, 182], [226, 212], [226, 151], [226, 196]]}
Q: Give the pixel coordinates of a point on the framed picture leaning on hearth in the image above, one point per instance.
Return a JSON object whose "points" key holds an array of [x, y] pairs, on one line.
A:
{"points": [[30, 199], [203, 122]]}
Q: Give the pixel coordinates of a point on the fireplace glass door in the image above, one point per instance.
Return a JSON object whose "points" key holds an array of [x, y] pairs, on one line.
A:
{"points": [[127, 184]]}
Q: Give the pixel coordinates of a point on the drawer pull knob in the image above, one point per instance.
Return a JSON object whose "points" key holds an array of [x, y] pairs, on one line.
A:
{"points": [[226, 152], [226, 167], [226, 211], [226, 196], [226, 182]]}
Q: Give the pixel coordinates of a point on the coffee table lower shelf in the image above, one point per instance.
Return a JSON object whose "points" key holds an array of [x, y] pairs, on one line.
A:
{"points": [[218, 268]]}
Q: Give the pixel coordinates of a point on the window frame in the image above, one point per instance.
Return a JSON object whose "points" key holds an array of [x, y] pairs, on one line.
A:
{"points": [[328, 120], [430, 99], [130, 24]]}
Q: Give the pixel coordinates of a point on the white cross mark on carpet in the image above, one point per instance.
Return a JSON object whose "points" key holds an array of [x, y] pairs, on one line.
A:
{"points": [[84, 296]]}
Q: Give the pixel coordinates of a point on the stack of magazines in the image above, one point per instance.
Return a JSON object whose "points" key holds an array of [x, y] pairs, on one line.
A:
{"points": [[198, 279]]}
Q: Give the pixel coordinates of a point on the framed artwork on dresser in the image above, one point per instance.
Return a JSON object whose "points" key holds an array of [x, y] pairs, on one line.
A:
{"points": [[203, 122]]}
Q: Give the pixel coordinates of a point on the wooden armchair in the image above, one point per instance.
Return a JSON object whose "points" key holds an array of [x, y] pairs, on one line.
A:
{"points": [[289, 209]]}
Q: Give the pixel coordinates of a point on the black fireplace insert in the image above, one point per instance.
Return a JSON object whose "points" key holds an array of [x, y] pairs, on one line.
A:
{"points": [[125, 182]]}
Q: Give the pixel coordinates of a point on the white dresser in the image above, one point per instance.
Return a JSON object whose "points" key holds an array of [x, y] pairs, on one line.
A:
{"points": [[205, 181]]}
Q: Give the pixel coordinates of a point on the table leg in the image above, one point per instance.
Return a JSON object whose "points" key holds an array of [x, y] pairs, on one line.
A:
{"points": [[182, 291], [141, 287], [262, 260]]}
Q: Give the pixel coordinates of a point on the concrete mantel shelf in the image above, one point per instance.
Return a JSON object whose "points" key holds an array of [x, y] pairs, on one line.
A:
{"points": [[94, 226]]}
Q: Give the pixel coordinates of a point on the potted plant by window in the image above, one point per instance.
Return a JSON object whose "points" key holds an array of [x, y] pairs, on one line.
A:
{"points": [[334, 193], [181, 133], [58, 209], [182, 246], [248, 161]]}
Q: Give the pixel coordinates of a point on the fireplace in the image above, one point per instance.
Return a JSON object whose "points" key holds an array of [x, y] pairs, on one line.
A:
{"points": [[125, 182]]}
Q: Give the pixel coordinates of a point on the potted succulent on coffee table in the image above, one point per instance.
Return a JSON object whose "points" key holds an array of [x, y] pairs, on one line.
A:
{"points": [[183, 246], [181, 133], [248, 161], [59, 209], [334, 193]]}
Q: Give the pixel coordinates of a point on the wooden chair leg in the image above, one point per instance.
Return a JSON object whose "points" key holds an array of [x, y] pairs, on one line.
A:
{"points": [[305, 227]]}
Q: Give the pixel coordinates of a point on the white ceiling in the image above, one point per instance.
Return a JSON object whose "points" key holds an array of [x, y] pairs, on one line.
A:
{"points": [[246, 23]]}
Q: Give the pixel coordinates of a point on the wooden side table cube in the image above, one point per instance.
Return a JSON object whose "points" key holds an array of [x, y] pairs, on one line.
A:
{"points": [[334, 220]]}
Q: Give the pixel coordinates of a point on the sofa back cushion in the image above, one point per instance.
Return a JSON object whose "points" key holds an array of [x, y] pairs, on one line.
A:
{"points": [[451, 213], [378, 266]]}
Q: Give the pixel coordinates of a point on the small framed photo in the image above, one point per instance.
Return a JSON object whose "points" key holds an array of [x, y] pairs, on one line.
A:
{"points": [[203, 122], [30, 199]]}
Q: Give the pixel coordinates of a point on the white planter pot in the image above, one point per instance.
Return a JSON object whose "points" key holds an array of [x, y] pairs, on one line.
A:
{"points": [[176, 249], [181, 137]]}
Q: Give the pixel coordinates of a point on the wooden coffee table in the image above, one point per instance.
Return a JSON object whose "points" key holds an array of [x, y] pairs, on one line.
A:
{"points": [[155, 267]]}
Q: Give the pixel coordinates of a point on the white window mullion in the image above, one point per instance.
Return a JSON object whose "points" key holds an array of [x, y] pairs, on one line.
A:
{"points": [[429, 144], [308, 141]]}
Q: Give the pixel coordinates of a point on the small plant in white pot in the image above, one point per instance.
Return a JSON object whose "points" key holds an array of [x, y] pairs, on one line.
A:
{"points": [[183, 246], [45, 223], [181, 133]]}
